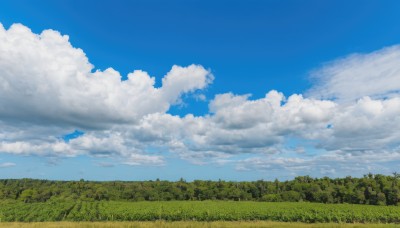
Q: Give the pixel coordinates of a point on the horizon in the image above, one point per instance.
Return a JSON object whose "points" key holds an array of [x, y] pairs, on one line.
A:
{"points": [[203, 180], [199, 90]]}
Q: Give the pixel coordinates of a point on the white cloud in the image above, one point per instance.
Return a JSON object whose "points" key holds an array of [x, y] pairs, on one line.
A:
{"points": [[238, 125], [141, 159], [48, 89], [375, 74], [7, 164], [334, 163], [109, 144], [45, 80], [369, 124]]}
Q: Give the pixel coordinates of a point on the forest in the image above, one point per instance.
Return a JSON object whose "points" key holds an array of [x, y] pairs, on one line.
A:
{"points": [[370, 189]]}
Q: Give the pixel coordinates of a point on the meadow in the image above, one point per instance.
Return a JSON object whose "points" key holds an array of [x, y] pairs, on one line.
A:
{"points": [[199, 211]]}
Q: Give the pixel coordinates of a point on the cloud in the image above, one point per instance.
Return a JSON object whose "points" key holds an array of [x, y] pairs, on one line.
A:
{"points": [[49, 89], [334, 163], [105, 164], [373, 74], [45, 80], [368, 124], [236, 126], [108, 144], [7, 164]]}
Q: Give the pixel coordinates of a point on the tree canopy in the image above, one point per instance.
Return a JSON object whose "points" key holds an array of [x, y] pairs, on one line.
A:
{"points": [[370, 189]]}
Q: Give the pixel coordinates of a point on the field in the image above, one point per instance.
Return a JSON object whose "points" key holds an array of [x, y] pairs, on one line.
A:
{"points": [[15, 211], [191, 224]]}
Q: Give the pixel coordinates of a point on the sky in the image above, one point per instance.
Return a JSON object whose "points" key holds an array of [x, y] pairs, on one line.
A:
{"points": [[234, 90]]}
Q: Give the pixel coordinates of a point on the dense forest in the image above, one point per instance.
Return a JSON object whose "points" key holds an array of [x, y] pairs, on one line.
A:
{"points": [[370, 189]]}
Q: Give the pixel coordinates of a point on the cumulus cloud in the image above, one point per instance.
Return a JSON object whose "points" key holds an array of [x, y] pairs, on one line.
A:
{"points": [[45, 80], [48, 88], [368, 124], [241, 125]]}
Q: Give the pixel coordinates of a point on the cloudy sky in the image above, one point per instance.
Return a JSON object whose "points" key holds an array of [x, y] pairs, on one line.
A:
{"points": [[237, 90]]}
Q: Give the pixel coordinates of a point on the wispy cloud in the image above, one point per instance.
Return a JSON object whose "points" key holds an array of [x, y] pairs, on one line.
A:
{"points": [[7, 164], [374, 74]]}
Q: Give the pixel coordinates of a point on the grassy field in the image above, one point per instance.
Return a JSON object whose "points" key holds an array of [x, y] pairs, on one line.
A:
{"points": [[192, 224], [15, 211]]}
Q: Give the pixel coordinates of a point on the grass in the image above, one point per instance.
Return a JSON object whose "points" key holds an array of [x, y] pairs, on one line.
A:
{"points": [[186, 224]]}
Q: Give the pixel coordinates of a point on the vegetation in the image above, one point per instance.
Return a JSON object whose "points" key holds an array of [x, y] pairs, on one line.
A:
{"points": [[303, 199], [197, 211], [370, 189], [191, 224]]}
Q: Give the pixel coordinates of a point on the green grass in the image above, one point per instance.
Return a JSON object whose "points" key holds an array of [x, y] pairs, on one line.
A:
{"points": [[191, 224], [205, 211]]}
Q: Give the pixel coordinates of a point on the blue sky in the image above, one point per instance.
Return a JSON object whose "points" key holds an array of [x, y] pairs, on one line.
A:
{"points": [[60, 122]]}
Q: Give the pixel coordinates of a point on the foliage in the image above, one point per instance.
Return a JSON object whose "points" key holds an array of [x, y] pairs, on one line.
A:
{"points": [[197, 211], [370, 189]]}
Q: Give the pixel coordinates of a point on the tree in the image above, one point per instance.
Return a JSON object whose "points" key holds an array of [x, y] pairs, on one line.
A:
{"points": [[28, 196]]}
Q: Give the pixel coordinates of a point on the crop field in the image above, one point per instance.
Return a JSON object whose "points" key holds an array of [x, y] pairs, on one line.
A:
{"points": [[15, 211], [192, 224]]}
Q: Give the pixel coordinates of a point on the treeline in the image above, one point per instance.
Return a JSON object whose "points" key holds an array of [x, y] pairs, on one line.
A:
{"points": [[370, 189]]}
